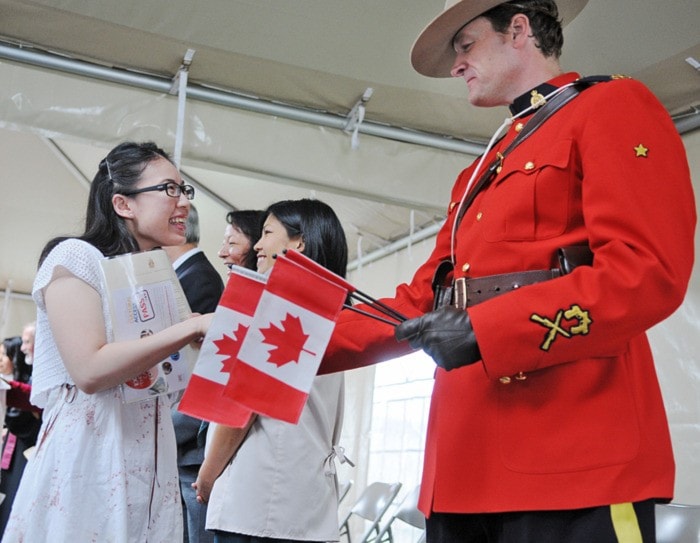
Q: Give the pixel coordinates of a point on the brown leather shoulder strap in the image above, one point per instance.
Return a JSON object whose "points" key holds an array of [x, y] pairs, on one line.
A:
{"points": [[542, 114]]}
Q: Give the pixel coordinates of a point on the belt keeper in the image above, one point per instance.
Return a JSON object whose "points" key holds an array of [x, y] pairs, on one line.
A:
{"points": [[460, 293]]}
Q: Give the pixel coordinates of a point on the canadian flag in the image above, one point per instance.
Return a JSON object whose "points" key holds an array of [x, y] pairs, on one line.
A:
{"points": [[204, 396], [286, 341]]}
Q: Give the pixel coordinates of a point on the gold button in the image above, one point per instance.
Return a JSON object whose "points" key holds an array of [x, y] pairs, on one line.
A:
{"points": [[519, 127], [479, 215], [452, 205], [465, 267], [521, 377], [529, 165], [505, 380]]}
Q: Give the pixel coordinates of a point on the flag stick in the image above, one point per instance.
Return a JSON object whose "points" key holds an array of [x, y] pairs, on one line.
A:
{"points": [[370, 315], [353, 291], [378, 305]]}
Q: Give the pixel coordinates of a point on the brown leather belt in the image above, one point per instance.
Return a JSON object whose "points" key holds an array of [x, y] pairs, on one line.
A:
{"points": [[471, 291]]}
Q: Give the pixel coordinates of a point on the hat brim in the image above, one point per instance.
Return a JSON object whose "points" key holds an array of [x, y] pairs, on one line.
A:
{"points": [[432, 53]]}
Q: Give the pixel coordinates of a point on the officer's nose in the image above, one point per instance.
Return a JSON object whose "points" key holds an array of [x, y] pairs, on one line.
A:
{"points": [[458, 68]]}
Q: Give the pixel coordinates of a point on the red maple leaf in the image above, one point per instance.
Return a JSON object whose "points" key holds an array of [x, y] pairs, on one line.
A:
{"points": [[230, 345], [288, 341]]}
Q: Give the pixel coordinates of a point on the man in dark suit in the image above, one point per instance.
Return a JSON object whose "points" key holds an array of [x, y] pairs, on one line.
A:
{"points": [[200, 281], [203, 287]]}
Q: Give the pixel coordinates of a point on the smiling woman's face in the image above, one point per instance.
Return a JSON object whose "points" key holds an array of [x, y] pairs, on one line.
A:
{"points": [[274, 241], [235, 247], [154, 218]]}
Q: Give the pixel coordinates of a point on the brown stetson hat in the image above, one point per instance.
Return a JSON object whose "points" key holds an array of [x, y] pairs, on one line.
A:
{"points": [[432, 53]]}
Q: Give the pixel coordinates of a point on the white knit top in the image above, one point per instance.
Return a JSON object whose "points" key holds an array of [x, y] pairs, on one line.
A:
{"points": [[82, 260]]}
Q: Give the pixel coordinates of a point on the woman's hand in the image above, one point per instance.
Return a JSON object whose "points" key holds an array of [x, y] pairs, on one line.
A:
{"points": [[222, 444], [201, 323], [203, 485]]}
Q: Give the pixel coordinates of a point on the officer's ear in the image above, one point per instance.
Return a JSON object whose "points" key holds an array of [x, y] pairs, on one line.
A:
{"points": [[519, 29]]}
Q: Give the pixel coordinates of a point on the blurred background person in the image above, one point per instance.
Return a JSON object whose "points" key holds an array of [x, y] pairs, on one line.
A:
{"points": [[28, 333], [22, 422], [199, 279]]}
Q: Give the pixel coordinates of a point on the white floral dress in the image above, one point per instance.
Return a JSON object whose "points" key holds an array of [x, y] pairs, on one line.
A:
{"points": [[103, 470]]}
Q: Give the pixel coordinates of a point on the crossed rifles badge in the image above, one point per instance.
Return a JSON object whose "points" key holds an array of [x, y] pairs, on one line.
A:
{"points": [[556, 327]]}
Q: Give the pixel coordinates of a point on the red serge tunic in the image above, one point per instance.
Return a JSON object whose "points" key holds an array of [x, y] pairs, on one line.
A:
{"points": [[564, 411]]}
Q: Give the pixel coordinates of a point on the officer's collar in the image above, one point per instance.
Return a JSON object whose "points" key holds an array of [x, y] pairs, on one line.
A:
{"points": [[533, 98]]}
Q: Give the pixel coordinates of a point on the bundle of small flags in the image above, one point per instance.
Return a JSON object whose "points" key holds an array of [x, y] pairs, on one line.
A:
{"points": [[267, 340]]}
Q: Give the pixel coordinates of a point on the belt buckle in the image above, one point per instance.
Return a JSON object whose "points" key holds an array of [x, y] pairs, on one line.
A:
{"points": [[460, 293]]}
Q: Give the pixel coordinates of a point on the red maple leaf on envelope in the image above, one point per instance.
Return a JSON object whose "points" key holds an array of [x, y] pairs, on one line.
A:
{"points": [[230, 345], [288, 341]]}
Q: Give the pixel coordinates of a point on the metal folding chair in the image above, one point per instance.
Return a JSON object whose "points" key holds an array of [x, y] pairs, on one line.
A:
{"points": [[677, 523], [370, 507], [406, 512]]}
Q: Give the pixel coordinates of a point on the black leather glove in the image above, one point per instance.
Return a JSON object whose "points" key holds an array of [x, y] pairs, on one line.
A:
{"points": [[446, 334]]}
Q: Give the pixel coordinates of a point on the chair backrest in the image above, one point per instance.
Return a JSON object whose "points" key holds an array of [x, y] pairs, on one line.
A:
{"points": [[371, 506], [343, 489], [407, 512], [677, 523]]}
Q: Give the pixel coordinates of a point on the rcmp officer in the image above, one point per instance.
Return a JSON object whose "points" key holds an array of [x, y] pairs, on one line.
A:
{"points": [[546, 423]]}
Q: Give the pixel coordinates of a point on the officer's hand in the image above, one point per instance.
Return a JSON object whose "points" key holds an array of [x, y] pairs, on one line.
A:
{"points": [[446, 334]]}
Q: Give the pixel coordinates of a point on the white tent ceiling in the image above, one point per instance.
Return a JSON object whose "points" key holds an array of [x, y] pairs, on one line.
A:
{"points": [[305, 59]]}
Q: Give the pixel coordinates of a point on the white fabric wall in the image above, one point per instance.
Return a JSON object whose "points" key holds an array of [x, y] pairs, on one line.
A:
{"points": [[676, 346], [14, 313]]}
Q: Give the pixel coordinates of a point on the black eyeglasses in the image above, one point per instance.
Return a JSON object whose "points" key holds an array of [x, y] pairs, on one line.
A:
{"points": [[171, 188]]}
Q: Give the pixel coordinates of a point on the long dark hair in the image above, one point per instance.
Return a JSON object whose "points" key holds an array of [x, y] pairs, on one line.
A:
{"points": [[319, 228], [22, 371], [119, 171], [249, 222]]}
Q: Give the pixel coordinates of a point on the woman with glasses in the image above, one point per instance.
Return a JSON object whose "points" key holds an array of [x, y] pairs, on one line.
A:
{"points": [[104, 470]]}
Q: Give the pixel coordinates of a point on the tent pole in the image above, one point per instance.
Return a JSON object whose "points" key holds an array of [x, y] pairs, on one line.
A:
{"points": [[219, 97]]}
